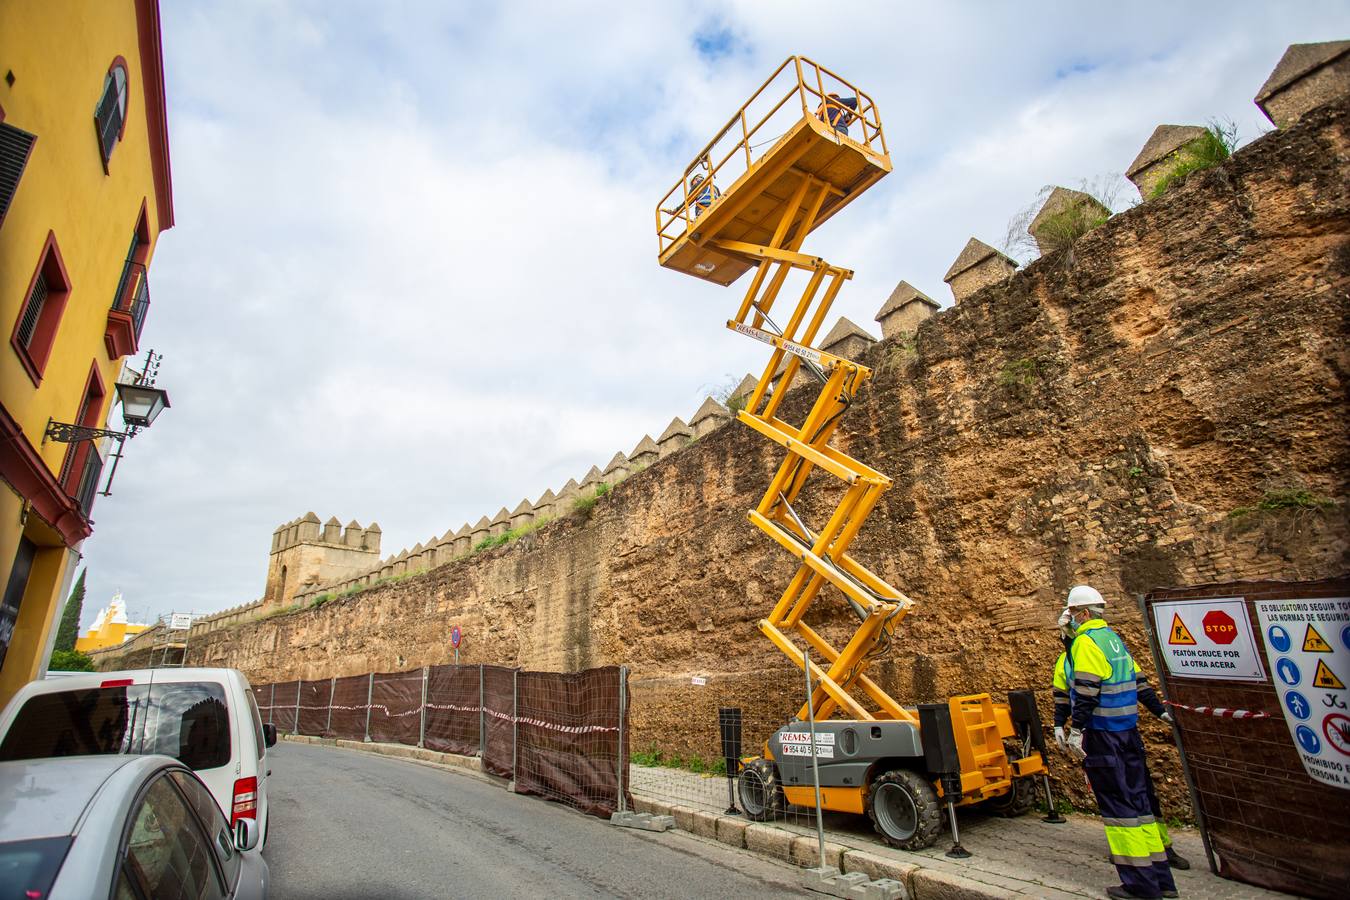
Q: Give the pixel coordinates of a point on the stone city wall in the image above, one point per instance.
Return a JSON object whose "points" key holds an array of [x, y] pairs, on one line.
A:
{"points": [[1163, 404]]}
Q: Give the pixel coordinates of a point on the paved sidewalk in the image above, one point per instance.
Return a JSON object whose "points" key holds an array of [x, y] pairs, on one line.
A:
{"points": [[1011, 857]]}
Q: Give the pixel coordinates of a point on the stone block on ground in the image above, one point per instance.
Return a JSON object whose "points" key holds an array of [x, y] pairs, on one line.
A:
{"points": [[731, 831], [768, 840], [877, 867], [935, 884], [641, 821], [704, 824], [806, 852], [684, 818]]}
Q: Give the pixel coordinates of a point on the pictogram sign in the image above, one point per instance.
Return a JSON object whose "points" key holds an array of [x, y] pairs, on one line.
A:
{"points": [[1313, 643], [455, 635], [1180, 634], [1336, 728], [1325, 678], [1309, 679], [1219, 627], [1208, 639]]}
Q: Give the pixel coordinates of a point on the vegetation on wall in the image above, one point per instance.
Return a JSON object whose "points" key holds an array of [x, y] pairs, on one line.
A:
{"points": [[1213, 147]]}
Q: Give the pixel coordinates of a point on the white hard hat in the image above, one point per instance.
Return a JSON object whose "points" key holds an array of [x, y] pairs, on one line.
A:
{"points": [[1083, 595]]}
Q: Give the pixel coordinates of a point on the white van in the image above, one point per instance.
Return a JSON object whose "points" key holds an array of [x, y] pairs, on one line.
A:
{"points": [[205, 718]]}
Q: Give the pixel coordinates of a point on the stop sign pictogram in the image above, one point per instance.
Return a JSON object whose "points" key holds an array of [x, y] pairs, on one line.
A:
{"points": [[1219, 626]]}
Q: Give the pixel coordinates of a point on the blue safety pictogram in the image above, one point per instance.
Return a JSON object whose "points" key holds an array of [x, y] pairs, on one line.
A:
{"points": [[1288, 672], [1297, 704], [1308, 739], [1279, 638], [1345, 636]]}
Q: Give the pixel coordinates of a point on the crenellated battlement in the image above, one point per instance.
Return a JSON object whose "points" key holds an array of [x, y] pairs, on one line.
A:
{"points": [[307, 553]]}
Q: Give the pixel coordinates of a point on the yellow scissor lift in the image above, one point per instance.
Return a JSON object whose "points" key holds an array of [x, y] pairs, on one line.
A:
{"points": [[777, 170]]}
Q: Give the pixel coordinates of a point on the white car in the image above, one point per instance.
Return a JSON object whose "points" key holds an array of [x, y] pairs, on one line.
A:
{"points": [[207, 719]]}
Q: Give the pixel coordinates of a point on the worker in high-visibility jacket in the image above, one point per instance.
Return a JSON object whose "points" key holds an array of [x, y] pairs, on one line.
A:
{"points": [[1104, 736], [1060, 682]]}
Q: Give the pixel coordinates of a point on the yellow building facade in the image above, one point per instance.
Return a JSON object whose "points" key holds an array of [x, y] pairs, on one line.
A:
{"points": [[85, 191], [110, 627]]}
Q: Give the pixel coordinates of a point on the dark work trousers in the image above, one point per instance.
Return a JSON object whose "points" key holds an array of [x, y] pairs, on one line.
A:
{"points": [[1119, 777]]}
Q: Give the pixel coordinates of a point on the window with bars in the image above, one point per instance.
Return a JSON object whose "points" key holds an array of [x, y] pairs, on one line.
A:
{"points": [[32, 313], [110, 114], [43, 305], [15, 147]]}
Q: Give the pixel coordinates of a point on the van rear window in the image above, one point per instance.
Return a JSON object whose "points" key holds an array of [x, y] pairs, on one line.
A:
{"points": [[185, 720]]}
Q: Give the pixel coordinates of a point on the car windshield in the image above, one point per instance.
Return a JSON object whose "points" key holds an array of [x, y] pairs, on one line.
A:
{"points": [[28, 868], [186, 720]]}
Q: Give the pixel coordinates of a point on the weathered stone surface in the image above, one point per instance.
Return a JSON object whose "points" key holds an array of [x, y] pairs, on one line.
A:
{"points": [[731, 831], [977, 267], [1090, 422], [806, 852], [769, 840], [935, 884], [1306, 77], [704, 824], [904, 310]]}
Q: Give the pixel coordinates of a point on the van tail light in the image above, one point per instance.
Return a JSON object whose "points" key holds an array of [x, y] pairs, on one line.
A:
{"points": [[118, 682], [245, 800]]}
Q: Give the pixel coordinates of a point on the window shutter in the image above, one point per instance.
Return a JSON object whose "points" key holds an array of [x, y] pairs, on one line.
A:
{"points": [[15, 145], [33, 311], [108, 118]]}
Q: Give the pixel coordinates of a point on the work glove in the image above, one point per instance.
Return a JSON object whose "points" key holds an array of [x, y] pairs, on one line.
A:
{"points": [[1059, 736], [1073, 744], [1167, 716]]}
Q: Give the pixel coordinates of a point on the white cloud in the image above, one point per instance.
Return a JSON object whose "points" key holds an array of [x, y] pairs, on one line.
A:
{"points": [[414, 278]]}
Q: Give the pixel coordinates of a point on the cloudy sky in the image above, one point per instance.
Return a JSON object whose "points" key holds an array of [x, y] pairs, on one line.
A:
{"points": [[414, 278]]}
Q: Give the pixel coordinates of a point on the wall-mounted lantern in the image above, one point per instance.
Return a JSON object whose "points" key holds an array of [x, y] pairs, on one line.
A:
{"points": [[142, 403]]}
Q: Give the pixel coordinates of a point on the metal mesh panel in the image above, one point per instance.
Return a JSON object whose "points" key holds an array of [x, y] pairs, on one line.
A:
{"points": [[314, 698], [498, 720], [560, 736], [570, 733], [284, 702], [396, 706], [454, 710], [1266, 821], [347, 720]]}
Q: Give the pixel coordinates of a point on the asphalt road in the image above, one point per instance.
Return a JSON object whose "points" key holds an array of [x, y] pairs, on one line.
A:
{"points": [[347, 824]]}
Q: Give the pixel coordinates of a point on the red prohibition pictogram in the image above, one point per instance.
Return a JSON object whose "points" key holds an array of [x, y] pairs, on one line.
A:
{"points": [[1219, 626], [1336, 727]]}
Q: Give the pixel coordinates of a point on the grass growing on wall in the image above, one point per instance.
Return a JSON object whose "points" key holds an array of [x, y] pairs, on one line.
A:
{"points": [[1213, 147]]}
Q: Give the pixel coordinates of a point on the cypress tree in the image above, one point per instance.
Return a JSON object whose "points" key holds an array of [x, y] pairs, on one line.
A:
{"points": [[70, 619]]}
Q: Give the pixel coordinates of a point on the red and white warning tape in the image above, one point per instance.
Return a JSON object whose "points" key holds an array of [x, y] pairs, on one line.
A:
{"points": [[1220, 711]]}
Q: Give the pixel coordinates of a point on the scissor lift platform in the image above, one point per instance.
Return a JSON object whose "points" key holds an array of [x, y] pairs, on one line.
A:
{"points": [[755, 187]]}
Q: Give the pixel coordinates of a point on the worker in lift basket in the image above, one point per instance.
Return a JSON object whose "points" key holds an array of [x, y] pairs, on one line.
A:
{"points": [[1060, 682], [1104, 736]]}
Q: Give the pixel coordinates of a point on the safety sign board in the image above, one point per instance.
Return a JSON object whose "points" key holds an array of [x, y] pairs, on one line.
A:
{"points": [[1308, 648], [798, 743], [1208, 639]]}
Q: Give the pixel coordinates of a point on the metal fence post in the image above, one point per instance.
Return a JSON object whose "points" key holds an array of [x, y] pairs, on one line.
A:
{"points": [[815, 767], [332, 687], [271, 703], [515, 721], [621, 758], [482, 716], [422, 731], [295, 729], [370, 690]]}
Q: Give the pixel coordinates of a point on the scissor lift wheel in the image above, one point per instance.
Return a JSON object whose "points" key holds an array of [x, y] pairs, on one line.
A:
{"points": [[904, 809]]}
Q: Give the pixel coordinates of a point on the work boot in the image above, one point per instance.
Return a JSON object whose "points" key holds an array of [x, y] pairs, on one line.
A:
{"points": [[1176, 860], [1170, 894], [1120, 892]]}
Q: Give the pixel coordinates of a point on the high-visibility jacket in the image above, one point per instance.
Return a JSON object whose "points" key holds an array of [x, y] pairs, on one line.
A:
{"points": [[1059, 683], [706, 195], [1103, 680]]}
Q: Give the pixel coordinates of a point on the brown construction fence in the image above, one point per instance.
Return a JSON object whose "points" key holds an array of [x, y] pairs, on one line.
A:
{"points": [[1264, 820], [562, 736]]}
